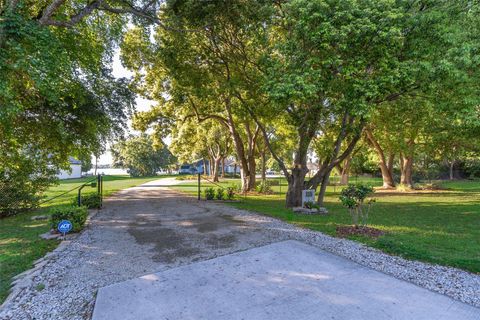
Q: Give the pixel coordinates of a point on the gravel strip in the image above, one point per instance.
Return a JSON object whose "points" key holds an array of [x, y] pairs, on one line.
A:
{"points": [[455, 283], [113, 249]]}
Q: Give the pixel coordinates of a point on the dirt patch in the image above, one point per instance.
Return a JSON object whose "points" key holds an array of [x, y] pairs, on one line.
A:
{"points": [[179, 252], [168, 244], [345, 231], [186, 236], [232, 219], [207, 227]]}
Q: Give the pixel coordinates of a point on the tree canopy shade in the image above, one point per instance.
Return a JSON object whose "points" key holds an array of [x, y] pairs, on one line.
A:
{"points": [[57, 95], [141, 156], [259, 78], [200, 71], [307, 74], [336, 62]]}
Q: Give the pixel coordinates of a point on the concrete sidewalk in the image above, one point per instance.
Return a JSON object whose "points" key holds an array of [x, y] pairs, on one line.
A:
{"points": [[284, 280]]}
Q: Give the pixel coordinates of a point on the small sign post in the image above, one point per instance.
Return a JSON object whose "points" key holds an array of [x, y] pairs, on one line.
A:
{"points": [[64, 226], [308, 196]]}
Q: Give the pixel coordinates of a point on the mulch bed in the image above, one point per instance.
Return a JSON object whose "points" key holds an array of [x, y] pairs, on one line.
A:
{"points": [[345, 231]]}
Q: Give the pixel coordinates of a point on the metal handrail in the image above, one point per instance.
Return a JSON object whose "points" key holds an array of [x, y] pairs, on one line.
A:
{"points": [[64, 193]]}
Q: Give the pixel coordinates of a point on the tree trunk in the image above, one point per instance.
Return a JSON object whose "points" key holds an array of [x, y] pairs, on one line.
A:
{"points": [[345, 170], [407, 171], [246, 173], [235, 170], [451, 167], [211, 163], [323, 188], [385, 166], [216, 168], [295, 186], [252, 169], [344, 178], [336, 157], [264, 164], [223, 167], [96, 164], [387, 177], [391, 158], [205, 167]]}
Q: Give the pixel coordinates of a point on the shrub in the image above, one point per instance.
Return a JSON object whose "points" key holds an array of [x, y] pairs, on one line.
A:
{"points": [[209, 193], [353, 197], [471, 168], [91, 201], [230, 193], [263, 187], [22, 185], [220, 195], [76, 215], [237, 187], [311, 205]]}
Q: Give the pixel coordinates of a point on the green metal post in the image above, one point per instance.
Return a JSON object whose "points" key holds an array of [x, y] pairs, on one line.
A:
{"points": [[198, 186]]}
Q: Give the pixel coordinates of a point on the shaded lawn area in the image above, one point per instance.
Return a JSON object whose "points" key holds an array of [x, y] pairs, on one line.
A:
{"points": [[20, 244], [441, 227]]}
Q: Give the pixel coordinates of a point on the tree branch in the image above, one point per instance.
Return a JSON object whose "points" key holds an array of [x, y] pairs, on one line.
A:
{"points": [[266, 138], [47, 15], [48, 21], [201, 118], [50, 10]]}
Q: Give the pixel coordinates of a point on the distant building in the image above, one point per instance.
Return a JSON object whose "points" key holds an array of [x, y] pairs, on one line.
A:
{"points": [[187, 169], [231, 166], [74, 172], [201, 166]]}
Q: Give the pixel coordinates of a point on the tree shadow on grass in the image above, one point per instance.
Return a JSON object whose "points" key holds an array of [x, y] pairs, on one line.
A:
{"points": [[443, 231]]}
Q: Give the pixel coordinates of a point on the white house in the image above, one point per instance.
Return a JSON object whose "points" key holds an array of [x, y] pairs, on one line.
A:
{"points": [[74, 172]]}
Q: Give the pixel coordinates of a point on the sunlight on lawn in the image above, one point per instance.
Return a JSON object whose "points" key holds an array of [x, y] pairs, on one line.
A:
{"points": [[441, 226]]}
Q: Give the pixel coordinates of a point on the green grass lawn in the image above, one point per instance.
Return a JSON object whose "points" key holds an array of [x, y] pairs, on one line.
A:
{"points": [[441, 227], [20, 244]]}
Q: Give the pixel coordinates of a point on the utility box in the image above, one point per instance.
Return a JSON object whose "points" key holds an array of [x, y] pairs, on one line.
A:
{"points": [[308, 196]]}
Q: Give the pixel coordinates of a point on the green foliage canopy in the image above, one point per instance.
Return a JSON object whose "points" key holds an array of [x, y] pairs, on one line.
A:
{"points": [[141, 156]]}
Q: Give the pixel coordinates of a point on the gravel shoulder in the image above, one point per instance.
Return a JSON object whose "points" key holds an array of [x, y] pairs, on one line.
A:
{"points": [[151, 228]]}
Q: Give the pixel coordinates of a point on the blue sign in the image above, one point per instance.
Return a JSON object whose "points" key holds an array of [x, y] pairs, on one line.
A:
{"points": [[64, 226]]}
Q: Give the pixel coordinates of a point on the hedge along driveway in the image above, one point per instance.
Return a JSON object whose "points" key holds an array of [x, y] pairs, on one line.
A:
{"points": [[20, 244], [441, 227]]}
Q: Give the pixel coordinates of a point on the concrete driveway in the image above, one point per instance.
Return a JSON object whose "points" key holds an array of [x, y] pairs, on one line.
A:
{"points": [[282, 281]]}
